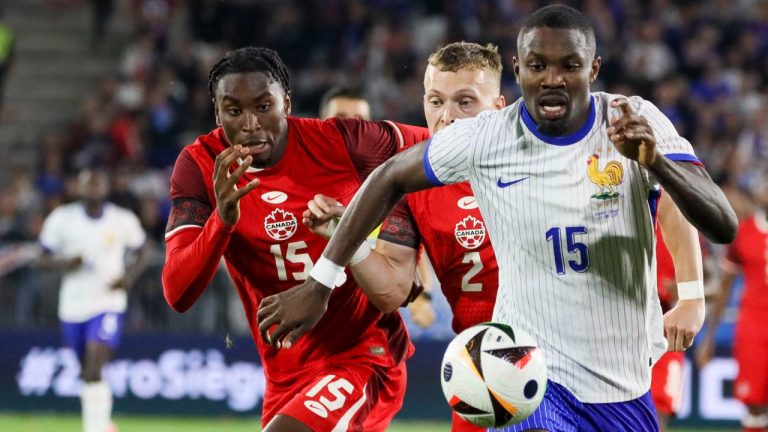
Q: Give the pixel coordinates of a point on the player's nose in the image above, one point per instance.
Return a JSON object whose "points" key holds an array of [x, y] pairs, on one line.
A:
{"points": [[553, 78], [448, 117], [251, 122]]}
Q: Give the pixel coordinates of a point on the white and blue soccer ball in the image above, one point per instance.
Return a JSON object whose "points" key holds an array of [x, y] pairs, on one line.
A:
{"points": [[493, 375]]}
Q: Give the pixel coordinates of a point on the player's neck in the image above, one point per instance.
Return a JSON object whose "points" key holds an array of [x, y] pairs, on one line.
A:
{"points": [[94, 210]]}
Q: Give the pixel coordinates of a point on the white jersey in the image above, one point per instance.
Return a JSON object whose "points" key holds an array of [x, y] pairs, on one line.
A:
{"points": [[571, 223], [102, 243]]}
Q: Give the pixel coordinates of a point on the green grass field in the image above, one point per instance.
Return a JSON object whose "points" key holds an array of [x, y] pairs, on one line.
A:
{"points": [[71, 423]]}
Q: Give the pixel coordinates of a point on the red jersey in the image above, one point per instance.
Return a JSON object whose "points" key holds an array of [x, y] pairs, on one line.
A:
{"points": [[447, 221], [269, 250], [749, 252], [665, 272]]}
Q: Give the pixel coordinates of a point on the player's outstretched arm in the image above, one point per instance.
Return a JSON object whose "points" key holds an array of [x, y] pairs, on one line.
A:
{"points": [[384, 274], [689, 185], [682, 322], [296, 311]]}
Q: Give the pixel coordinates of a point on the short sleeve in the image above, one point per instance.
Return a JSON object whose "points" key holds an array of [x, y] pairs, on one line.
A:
{"points": [[50, 235], [400, 227], [446, 159], [370, 143], [135, 235], [668, 141], [187, 181]]}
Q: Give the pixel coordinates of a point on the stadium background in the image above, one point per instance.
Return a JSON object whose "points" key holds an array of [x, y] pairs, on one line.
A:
{"points": [[123, 84]]}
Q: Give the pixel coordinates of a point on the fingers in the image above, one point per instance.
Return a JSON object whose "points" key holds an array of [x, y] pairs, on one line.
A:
{"points": [[623, 105], [278, 334], [266, 317], [679, 339], [247, 188], [293, 335]]}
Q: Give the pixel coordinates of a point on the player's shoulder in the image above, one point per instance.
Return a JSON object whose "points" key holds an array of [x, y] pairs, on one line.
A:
{"points": [[119, 211], [206, 145], [603, 101]]}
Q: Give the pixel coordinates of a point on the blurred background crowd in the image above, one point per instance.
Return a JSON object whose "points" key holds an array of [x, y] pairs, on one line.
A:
{"points": [[703, 63]]}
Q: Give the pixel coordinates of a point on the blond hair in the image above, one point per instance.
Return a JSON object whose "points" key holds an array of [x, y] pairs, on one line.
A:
{"points": [[468, 55]]}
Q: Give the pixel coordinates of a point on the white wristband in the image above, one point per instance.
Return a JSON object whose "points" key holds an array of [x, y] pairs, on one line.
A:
{"points": [[361, 253], [328, 273], [690, 290]]}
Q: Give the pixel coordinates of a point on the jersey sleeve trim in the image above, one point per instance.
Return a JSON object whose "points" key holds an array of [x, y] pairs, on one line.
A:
{"points": [[172, 232], [431, 176], [400, 139], [683, 157]]}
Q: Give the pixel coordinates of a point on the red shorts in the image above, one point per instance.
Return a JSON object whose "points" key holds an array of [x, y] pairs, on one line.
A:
{"points": [[667, 382], [344, 396], [750, 349], [458, 424]]}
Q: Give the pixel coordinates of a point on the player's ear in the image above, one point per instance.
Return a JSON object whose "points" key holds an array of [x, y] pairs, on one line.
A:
{"points": [[216, 112], [516, 69], [595, 69], [287, 104], [500, 102]]}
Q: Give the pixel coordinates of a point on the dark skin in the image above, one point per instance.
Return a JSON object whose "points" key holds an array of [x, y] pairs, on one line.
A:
{"points": [[252, 109], [553, 65]]}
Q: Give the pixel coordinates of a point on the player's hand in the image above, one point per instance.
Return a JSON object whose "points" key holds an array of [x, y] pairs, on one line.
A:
{"points": [[71, 264], [293, 312], [225, 183], [682, 323], [322, 215], [422, 312], [632, 135], [705, 351]]}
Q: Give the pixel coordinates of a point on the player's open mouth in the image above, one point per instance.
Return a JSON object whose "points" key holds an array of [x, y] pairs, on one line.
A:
{"points": [[256, 147], [552, 107]]}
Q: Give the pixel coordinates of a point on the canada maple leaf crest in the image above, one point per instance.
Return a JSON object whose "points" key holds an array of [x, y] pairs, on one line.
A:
{"points": [[280, 224], [470, 232]]}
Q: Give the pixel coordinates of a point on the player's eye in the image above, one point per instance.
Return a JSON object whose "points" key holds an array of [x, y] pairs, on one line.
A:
{"points": [[264, 107], [571, 67], [536, 67], [436, 102], [465, 102], [234, 111]]}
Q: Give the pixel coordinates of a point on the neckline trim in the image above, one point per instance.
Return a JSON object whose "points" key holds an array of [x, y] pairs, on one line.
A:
{"points": [[561, 140]]}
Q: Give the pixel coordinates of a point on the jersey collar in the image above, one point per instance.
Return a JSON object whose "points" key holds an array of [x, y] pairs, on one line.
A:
{"points": [[560, 140]]}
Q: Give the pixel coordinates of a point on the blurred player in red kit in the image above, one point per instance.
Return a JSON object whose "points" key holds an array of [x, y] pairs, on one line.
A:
{"points": [[748, 254], [238, 192]]}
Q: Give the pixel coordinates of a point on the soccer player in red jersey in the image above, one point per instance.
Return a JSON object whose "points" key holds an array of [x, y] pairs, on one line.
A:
{"points": [[747, 254], [461, 80], [237, 193]]}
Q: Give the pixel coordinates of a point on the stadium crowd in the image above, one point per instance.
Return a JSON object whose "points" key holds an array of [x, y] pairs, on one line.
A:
{"points": [[703, 63]]}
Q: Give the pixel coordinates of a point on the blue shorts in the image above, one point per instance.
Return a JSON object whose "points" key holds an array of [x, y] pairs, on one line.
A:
{"points": [[104, 329], [560, 411]]}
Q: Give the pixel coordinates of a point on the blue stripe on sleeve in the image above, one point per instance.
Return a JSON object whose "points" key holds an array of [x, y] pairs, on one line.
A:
{"points": [[682, 157], [428, 168]]}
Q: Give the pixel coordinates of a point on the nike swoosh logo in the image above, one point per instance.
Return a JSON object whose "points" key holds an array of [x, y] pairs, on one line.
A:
{"points": [[467, 203], [274, 197], [503, 184]]}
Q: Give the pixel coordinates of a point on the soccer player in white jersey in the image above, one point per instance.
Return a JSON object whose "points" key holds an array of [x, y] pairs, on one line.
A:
{"points": [[90, 240], [563, 178]]}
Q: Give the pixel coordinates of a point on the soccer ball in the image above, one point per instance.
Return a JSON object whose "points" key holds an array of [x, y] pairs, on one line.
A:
{"points": [[492, 375]]}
